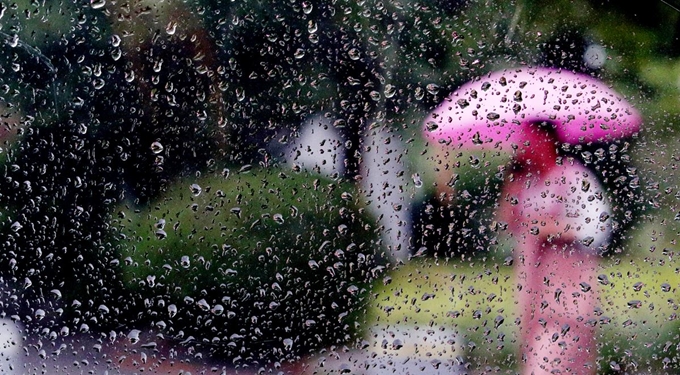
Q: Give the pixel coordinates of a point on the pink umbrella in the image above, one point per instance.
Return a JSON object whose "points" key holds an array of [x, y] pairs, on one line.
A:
{"points": [[556, 211], [497, 109]]}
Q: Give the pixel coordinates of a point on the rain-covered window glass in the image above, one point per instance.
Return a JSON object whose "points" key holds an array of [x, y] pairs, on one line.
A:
{"points": [[369, 187]]}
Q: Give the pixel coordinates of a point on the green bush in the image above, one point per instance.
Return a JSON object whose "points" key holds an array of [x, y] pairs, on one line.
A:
{"points": [[258, 265]]}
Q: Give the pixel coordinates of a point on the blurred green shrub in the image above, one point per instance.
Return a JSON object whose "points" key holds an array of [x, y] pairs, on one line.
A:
{"points": [[260, 264]]}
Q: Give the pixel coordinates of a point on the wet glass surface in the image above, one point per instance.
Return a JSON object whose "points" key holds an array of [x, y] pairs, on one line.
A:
{"points": [[373, 187]]}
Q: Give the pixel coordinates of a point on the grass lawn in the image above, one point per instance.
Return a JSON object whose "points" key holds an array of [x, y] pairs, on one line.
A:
{"points": [[638, 325]]}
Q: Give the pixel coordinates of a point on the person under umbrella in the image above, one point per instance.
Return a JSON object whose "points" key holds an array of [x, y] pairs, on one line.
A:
{"points": [[555, 208]]}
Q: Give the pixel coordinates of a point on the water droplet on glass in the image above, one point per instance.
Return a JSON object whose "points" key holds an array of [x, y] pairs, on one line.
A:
{"points": [[345, 368], [133, 336], [156, 147], [236, 211], [603, 279], [56, 293], [171, 28], [217, 309], [493, 116], [477, 139], [432, 88], [161, 235], [431, 126], [307, 7], [97, 4], [354, 54], [585, 287], [635, 304], [203, 304], [116, 54], [172, 311], [129, 76], [151, 281], [240, 94], [98, 83], [390, 90], [588, 240], [498, 321], [299, 53], [288, 344], [14, 40], [397, 344], [417, 181], [115, 40], [195, 189], [340, 123], [312, 27], [184, 261]]}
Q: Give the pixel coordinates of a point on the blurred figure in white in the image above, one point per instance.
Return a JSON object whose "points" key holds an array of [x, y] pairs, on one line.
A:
{"points": [[384, 181], [318, 147], [10, 347]]}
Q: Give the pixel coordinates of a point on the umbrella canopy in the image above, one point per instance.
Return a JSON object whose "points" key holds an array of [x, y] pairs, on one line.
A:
{"points": [[499, 108]]}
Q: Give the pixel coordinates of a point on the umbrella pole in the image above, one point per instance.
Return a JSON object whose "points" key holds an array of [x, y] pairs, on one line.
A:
{"points": [[556, 309]]}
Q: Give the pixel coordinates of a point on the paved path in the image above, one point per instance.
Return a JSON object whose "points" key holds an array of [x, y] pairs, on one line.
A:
{"points": [[388, 350]]}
